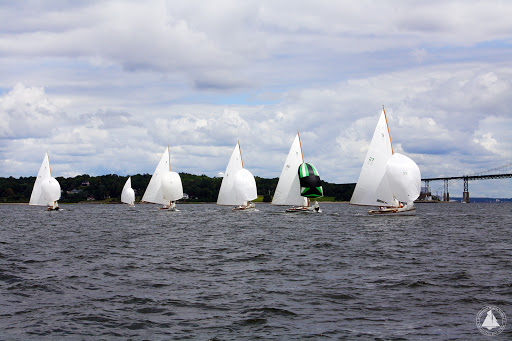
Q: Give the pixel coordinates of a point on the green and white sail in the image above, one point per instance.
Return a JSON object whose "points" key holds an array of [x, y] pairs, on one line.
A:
{"points": [[310, 185]]}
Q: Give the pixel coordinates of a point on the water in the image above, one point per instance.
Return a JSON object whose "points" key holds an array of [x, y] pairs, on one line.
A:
{"points": [[112, 272]]}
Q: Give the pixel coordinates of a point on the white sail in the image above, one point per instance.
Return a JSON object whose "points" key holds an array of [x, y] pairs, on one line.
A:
{"points": [[128, 194], [154, 191], [46, 188], [245, 186], [288, 188], [172, 188], [228, 193], [404, 178], [369, 189], [51, 190], [490, 321]]}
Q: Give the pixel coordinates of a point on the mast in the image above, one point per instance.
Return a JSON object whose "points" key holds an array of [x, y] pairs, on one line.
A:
{"points": [[300, 144], [390, 141], [169, 154], [240, 149], [387, 125], [49, 166], [302, 154]]}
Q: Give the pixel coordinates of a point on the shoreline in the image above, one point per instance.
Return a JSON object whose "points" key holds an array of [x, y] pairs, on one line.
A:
{"points": [[140, 203]]}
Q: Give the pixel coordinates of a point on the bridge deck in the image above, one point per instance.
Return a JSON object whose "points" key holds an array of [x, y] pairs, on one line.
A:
{"points": [[472, 177]]}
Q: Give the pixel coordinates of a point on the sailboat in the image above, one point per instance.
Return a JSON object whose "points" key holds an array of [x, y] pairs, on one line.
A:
{"points": [[165, 186], [238, 186], [490, 321], [46, 189], [128, 194], [389, 180], [298, 182]]}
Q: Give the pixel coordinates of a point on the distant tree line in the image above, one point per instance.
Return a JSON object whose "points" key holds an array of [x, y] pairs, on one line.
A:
{"points": [[200, 188]]}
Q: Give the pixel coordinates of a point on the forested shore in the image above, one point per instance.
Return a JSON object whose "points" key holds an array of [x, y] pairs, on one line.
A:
{"points": [[199, 188]]}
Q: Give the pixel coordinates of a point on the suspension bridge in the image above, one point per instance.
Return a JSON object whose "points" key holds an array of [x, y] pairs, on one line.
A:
{"points": [[502, 172]]}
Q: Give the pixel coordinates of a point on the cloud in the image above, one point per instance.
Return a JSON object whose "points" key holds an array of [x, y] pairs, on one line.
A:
{"points": [[493, 134], [105, 86], [27, 112]]}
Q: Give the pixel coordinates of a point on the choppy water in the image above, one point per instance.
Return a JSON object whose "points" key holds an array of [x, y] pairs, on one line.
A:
{"points": [[112, 272]]}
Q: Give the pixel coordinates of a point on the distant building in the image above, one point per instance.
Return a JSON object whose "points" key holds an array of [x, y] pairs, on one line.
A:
{"points": [[85, 183]]}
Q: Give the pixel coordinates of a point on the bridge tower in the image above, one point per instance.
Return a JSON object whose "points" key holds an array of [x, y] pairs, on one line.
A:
{"points": [[446, 194], [427, 190], [465, 194]]}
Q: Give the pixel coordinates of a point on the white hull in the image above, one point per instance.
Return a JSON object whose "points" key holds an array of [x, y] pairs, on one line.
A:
{"points": [[394, 211], [299, 209], [250, 207], [171, 207], [302, 210]]}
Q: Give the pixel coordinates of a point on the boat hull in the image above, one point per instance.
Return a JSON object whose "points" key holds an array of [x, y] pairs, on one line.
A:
{"points": [[249, 207], [303, 210], [394, 211], [298, 209], [171, 207]]}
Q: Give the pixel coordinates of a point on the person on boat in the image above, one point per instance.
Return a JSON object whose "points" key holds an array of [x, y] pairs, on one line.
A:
{"points": [[54, 207]]}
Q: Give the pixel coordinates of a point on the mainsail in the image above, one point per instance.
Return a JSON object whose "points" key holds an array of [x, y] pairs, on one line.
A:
{"points": [[46, 189], [164, 186], [370, 189], [238, 184], [128, 194], [288, 188]]}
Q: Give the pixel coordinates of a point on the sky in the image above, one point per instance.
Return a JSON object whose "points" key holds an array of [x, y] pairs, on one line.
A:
{"points": [[105, 86]]}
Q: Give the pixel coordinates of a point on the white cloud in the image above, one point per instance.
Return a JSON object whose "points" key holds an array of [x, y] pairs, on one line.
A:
{"points": [[27, 112], [105, 86], [493, 134]]}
